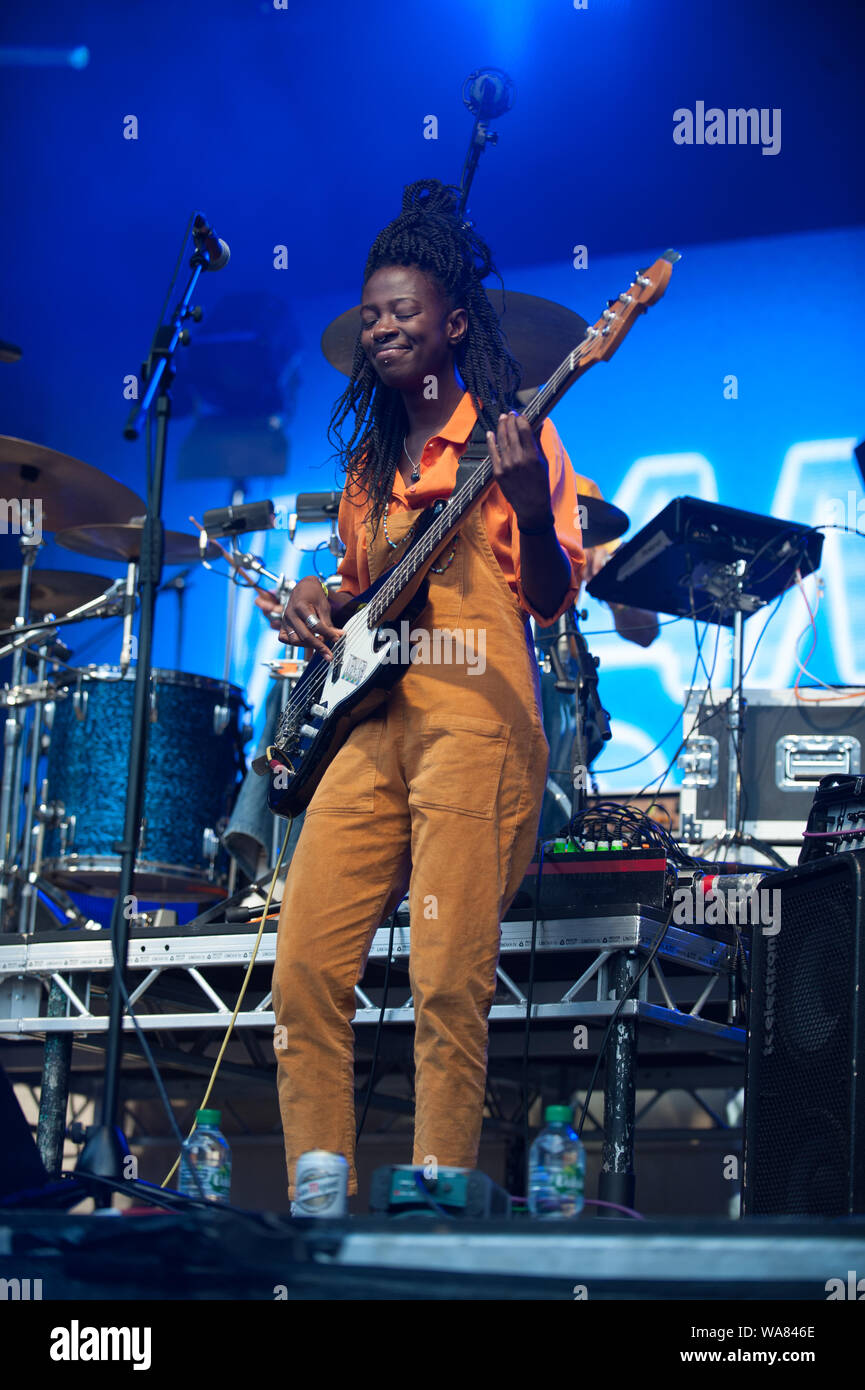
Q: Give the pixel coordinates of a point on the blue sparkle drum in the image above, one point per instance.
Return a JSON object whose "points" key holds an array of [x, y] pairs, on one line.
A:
{"points": [[194, 761]]}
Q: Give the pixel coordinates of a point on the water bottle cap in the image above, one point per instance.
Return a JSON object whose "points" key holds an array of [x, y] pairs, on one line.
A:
{"points": [[208, 1117], [558, 1114]]}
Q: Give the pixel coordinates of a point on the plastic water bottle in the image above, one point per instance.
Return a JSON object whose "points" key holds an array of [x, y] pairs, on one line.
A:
{"points": [[557, 1167], [206, 1154]]}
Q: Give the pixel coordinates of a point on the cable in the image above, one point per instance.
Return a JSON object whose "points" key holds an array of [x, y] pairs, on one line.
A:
{"points": [[163, 1094], [217, 1064], [625, 767], [849, 694], [778, 602], [536, 912], [370, 1083]]}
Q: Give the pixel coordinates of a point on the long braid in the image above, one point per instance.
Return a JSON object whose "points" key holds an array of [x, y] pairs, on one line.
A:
{"points": [[428, 234]]}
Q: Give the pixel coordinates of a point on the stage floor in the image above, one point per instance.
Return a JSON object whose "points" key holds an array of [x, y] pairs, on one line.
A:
{"points": [[257, 1256]]}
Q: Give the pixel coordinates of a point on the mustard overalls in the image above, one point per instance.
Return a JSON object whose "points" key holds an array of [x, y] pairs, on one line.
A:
{"points": [[438, 792]]}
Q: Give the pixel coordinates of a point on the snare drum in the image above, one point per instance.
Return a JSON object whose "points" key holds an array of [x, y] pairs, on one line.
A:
{"points": [[194, 758]]}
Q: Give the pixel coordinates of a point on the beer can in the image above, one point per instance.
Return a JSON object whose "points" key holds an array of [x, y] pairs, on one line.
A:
{"points": [[321, 1184]]}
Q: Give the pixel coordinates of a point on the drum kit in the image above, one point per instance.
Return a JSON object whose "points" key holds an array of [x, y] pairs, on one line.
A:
{"points": [[67, 728]]}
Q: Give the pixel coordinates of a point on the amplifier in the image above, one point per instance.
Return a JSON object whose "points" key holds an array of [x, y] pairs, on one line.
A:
{"points": [[595, 881], [837, 819], [804, 1121], [788, 747]]}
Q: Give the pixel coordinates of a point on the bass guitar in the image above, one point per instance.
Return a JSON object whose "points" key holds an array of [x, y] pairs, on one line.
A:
{"points": [[332, 697]]}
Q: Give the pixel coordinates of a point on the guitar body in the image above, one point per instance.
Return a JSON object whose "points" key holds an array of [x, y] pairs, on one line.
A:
{"points": [[332, 697]]}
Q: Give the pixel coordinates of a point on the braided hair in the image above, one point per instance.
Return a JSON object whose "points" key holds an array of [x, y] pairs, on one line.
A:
{"points": [[430, 235]]}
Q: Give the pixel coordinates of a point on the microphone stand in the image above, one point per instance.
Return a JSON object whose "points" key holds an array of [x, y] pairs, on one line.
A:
{"points": [[105, 1149]]}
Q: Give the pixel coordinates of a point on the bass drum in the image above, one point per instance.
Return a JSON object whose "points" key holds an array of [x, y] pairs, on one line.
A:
{"points": [[194, 761]]}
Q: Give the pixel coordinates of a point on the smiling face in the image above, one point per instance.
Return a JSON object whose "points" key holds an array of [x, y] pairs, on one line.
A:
{"points": [[408, 329]]}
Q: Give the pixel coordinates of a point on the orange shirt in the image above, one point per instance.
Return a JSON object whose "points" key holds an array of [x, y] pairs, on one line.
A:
{"points": [[438, 468]]}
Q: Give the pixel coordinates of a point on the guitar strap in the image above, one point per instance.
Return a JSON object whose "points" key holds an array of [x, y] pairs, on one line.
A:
{"points": [[475, 453]]}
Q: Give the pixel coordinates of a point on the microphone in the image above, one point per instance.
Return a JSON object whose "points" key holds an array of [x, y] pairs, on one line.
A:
{"points": [[488, 93], [237, 519], [209, 244]]}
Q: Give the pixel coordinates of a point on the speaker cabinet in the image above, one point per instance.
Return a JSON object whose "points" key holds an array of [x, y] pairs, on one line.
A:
{"points": [[804, 1152]]}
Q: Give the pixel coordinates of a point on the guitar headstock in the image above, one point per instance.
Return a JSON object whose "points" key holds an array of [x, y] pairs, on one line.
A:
{"points": [[605, 336]]}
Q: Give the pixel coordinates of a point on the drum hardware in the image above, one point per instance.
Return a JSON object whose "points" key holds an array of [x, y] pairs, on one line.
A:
{"points": [[242, 562], [105, 604], [210, 846], [318, 506], [59, 491], [126, 645], [123, 543], [66, 826], [220, 718], [29, 894], [13, 734], [239, 519], [36, 693]]}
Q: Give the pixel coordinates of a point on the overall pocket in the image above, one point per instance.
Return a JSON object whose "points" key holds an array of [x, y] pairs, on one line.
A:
{"points": [[462, 765]]}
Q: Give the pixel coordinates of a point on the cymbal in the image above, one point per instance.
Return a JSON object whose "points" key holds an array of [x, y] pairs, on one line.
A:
{"points": [[602, 522], [540, 334], [71, 493], [124, 543], [51, 591]]}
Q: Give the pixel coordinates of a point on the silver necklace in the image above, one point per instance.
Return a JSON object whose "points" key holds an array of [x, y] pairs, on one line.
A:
{"points": [[415, 467]]}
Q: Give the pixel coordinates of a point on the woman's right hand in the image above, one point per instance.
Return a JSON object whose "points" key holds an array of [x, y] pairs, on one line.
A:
{"points": [[307, 601]]}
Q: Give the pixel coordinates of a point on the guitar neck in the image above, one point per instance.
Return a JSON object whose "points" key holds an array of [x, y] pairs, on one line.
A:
{"points": [[598, 345]]}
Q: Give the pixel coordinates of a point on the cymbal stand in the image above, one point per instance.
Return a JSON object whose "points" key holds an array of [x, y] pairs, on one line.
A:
{"points": [[29, 894], [231, 614], [13, 735]]}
